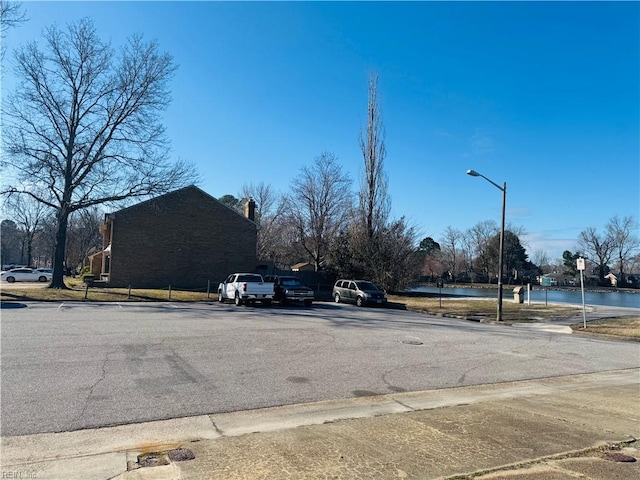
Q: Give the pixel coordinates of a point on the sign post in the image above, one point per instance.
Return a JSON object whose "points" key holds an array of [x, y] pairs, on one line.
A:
{"points": [[580, 266], [546, 282]]}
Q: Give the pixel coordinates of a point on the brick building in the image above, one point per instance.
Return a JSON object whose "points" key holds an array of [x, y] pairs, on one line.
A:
{"points": [[183, 239]]}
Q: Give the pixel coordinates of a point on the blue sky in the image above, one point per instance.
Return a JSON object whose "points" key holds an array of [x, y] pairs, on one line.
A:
{"points": [[541, 95]]}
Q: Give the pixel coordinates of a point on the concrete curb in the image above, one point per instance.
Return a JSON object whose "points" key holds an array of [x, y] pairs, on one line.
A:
{"points": [[105, 452]]}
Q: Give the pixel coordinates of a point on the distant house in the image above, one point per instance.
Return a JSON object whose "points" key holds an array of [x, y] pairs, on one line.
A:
{"points": [[303, 267], [95, 262], [184, 238], [612, 279], [548, 279], [554, 279]]}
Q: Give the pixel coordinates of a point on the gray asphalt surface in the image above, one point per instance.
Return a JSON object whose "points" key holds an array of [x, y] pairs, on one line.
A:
{"points": [[73, 366], [559, 428]]}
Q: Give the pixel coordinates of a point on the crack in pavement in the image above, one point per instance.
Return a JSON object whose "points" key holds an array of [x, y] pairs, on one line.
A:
{"points": [[103, 375]]}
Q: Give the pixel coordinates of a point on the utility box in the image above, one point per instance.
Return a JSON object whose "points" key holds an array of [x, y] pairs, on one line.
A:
{"points": [[518, 295]]}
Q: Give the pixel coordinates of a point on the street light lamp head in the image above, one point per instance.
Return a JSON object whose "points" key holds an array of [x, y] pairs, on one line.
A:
{"points": [[473, 173]]}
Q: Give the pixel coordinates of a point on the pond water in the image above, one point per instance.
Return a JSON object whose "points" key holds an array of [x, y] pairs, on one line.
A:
{"points": [[540, 294]]}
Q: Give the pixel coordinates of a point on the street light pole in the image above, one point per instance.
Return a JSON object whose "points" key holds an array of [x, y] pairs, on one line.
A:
{"points": [[473, 173]]}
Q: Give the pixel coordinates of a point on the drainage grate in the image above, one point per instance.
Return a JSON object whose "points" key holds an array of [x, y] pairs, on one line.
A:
{"points": [[156, 459], [412, 342], [181, 455], [152, 460]]}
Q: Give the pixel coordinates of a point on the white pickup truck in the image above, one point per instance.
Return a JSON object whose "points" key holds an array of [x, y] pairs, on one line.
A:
{"points": [[246, 288]]}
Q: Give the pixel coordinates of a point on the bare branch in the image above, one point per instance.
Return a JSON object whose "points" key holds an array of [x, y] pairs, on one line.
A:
{"points": [[374, 200], [320, 205], [85, 122]]}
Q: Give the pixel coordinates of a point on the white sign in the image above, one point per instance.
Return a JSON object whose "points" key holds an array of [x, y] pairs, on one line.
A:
{"points": [[580, 263]]}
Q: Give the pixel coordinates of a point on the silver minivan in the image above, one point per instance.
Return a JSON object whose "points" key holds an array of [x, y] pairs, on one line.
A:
{"points": [[360, 292]]}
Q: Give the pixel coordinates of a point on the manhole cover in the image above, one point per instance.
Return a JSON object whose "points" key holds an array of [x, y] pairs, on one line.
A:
{"points": [[412, 342], [181, 455]]}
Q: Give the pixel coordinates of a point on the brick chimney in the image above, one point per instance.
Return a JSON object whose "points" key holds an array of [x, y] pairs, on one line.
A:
{"points": [[250, 209]]}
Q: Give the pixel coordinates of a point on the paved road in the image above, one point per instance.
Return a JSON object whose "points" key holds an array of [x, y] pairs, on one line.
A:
{"points": [[73, 365], [529, 425]]}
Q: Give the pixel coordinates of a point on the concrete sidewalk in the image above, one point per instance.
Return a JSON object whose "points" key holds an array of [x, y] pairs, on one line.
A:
{"points": [[556, 428]]}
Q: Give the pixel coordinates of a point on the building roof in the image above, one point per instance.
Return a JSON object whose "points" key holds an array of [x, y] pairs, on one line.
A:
{"points": [[176, 192], [300, 265]]}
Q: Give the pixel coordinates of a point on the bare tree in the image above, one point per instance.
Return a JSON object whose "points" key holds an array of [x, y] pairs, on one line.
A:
{"points": [[83, 236], [451, 250], [269, 209], [284, 245], [44, 243], [625, 242], [264, 195], [466, 254], [84, 122], [597, 248], [29, 216], [374, 204], [320, 204], [479, 237], [382, 250], [540, 258], [432, 264], [11, 15]]}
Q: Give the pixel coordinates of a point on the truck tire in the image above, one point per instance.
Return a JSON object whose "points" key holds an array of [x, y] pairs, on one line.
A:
{"points": [[220, 297], [308, 303], [238, 299], [359, 301], [336, 297]]}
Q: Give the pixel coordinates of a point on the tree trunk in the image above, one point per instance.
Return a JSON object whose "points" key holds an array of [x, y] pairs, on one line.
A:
{"points": [[57, 279], [30, 250]]}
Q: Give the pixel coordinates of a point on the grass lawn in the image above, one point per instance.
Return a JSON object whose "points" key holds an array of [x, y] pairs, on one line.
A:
{"points": [[77, 291], [482, 309], [618, 327]]}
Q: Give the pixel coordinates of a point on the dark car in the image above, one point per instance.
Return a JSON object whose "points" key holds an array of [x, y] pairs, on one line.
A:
{"points": [[290, 289], [360, 292]]}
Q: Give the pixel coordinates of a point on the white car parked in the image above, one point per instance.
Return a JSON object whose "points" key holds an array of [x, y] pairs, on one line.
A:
{"points": [[26, 275]]}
